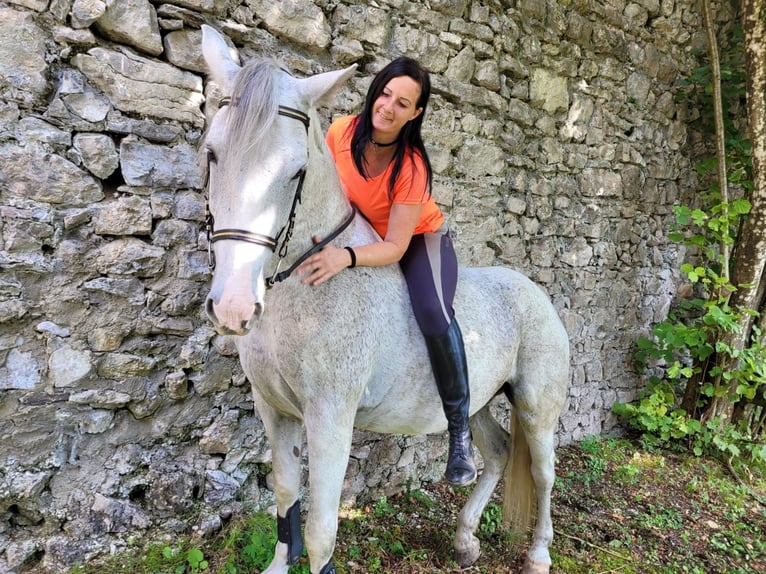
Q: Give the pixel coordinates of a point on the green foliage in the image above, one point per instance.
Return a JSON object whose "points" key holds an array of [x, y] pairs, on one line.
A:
{"points": [[195, 559], [416, 497], [382, 508], [662, 519], [184, 558], [491, 519], [683, 344], [192, 560], [689, 348], [259, 550], [712, 230], [249, 547], [697, 93], [628, 473]]}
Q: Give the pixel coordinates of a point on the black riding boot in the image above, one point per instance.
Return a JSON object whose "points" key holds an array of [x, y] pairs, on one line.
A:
{"points": [[448, 361]]}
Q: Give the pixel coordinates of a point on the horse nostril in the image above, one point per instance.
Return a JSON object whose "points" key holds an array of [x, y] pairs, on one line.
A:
{"points": [[209, 309], [257, 311]]}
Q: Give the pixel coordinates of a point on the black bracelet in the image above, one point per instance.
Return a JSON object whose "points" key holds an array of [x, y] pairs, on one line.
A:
{"points": [[353, 256]]}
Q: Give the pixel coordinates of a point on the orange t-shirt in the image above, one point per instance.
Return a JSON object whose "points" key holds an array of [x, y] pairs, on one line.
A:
{"points": [[371, 195]]}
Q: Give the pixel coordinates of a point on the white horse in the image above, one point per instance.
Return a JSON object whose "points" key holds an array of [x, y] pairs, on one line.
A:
{"points": [[349, 353]]}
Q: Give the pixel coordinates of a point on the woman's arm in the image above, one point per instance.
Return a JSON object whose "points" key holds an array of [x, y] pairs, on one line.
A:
{"points": [[331, 260]]}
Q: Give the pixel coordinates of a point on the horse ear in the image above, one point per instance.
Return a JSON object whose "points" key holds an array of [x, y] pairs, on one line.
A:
{"points": [[320, 88], [219, 58]]}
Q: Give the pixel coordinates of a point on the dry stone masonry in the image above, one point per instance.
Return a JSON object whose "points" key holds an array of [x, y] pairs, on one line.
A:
{"points": [[559, 145]]}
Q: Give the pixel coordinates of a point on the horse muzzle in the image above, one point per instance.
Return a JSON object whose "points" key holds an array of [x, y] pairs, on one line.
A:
{"points": [[230, 321]]}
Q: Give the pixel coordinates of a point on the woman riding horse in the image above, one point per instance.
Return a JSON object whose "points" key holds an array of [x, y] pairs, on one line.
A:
{"points": [[385, 171]]}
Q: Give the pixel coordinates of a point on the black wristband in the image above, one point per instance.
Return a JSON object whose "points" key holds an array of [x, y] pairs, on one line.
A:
{"points": [[353, 256]]}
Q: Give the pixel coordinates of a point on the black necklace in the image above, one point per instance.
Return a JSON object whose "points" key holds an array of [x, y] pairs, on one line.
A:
{"points": [[376, 145]]}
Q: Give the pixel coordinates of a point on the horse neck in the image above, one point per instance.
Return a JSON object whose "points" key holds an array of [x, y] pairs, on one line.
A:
{"points": [[324, 205]]}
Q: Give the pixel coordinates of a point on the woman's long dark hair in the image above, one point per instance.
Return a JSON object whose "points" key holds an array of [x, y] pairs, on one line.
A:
{"points": [[410, 139]]}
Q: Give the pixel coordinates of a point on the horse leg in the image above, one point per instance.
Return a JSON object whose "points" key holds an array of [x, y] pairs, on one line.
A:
{"points": [[492, 441], [540, 440], [285, 437], [328, 435]]}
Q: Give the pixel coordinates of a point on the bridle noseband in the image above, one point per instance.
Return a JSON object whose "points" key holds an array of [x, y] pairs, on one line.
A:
{"points": [[214, 235]]}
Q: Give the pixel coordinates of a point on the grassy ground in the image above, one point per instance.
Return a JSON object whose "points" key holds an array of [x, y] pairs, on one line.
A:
{"points": [[616, 508]]}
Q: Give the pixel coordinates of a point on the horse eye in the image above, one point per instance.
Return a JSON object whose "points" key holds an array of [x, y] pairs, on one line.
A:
{"points": [[211, 156]]}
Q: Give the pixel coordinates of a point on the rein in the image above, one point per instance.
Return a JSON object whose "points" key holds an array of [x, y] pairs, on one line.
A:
{"points": [[266, 240]]}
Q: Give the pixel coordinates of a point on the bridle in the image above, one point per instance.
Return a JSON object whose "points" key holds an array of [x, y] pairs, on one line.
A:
{"points": [[234, 234]]}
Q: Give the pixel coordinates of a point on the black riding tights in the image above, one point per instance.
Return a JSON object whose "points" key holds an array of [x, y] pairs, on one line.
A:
{"points": [[430, 268]]}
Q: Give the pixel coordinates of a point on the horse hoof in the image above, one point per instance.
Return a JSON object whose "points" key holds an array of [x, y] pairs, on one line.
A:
{"points": [[534, 567], [467, 556], [466, 559]]}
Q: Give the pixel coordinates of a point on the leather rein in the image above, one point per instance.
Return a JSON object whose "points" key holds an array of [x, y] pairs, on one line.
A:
{"points": [[214, 235]]}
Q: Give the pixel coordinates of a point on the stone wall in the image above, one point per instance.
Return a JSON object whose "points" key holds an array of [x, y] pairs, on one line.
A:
{"points": [[559, 148]]}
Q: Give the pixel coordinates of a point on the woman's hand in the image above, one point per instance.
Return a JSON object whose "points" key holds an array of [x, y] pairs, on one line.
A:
{"points": [[324, 264], [331, 260]]}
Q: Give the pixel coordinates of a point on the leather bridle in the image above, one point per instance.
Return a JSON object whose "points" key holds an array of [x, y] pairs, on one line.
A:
{"points": [[214, 235]]}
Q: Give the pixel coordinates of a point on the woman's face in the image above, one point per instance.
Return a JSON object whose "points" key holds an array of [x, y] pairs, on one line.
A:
{"points": [[394, 107]]}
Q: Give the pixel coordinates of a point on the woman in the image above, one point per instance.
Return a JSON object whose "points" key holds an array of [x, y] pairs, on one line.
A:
{"points": [[385, 171]]}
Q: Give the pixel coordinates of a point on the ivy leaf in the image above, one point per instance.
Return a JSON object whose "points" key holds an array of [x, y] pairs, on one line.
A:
{"points": [[676, 236], [740, 206]]}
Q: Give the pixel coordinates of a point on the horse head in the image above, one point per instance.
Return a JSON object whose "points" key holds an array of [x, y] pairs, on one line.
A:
{"points": [[255, 152]]}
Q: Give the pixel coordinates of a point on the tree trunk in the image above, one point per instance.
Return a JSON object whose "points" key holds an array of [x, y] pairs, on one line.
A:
{"points": [[750, 253], [716, 405], [751, 245], [720, 133]]}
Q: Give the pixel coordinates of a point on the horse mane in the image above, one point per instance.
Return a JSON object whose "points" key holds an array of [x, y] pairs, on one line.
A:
{"points": [[253, 109]]}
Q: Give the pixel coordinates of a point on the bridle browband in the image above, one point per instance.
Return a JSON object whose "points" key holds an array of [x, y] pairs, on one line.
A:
{"points": [[266, 240]]}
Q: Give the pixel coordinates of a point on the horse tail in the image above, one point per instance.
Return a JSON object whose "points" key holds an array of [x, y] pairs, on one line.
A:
{"points": [[519, 493]]}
